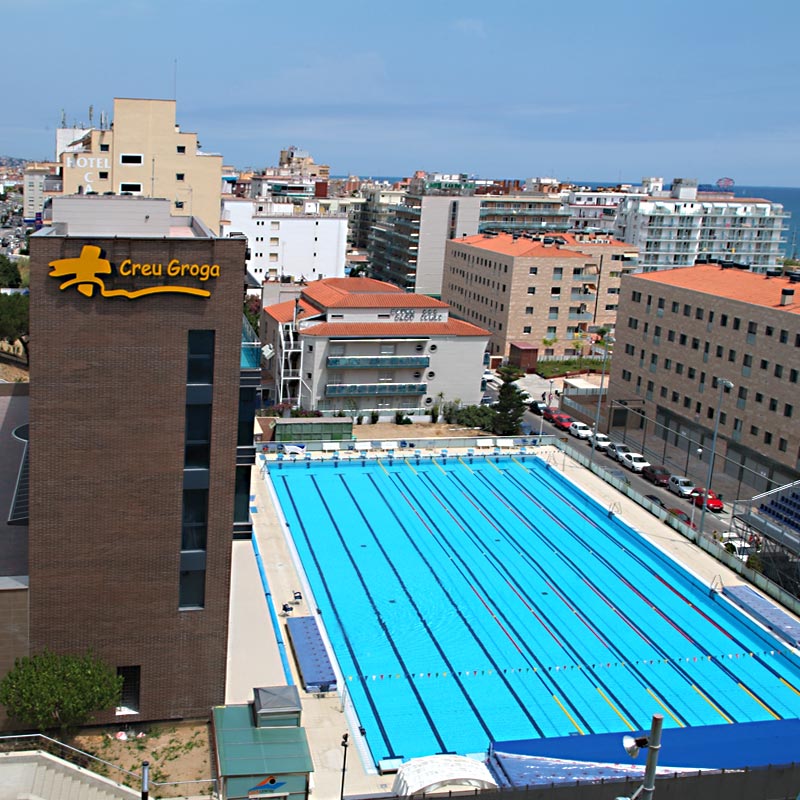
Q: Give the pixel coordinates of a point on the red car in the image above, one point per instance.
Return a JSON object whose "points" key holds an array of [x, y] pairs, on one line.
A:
{"points": [[563, 421], [713, 503], [550, 412]]}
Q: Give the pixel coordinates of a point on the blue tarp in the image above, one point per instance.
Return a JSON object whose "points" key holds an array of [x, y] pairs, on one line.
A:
{"points": [[316, 670], [705, 747], [767, 613]]}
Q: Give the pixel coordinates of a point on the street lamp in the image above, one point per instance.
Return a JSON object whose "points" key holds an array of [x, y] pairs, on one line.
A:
{"points": [[723, 384], [694, 496], [345, 737], [653, 744], [609, 340]]}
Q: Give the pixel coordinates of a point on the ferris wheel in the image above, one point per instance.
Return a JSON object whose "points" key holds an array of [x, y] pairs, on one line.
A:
{"points": [[725, 183]]}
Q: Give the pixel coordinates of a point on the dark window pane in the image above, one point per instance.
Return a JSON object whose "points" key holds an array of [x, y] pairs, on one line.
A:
{"points": [[192, 589]]}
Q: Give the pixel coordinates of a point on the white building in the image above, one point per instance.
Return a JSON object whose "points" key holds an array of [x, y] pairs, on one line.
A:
{"points": [[288, 241], [359, 345], [679, 228]]}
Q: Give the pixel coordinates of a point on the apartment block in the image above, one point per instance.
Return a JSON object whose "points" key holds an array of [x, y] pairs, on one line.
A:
{"points": [[359, 345], [549, 291], [286, 240], [144, 153], [683, 226], [680, 331]]}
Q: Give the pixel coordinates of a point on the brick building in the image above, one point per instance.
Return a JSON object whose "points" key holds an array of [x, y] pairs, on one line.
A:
{"points": [[680, 331], [142, 393], [549, 291]]}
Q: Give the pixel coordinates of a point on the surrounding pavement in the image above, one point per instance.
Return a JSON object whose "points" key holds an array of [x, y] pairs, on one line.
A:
{"points": [[255, 660]]}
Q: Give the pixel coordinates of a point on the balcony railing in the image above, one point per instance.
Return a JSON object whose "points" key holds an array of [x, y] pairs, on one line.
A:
{"points": [[251, 347], [357, 389], [365, 362]]}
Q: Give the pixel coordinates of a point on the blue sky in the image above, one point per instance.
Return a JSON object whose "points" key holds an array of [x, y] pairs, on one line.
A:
{"points": [[579, 90]]}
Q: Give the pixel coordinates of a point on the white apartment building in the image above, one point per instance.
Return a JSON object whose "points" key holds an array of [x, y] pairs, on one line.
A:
{"points": [[288, 241], [595, 210], [360, 345], [684, 226]]}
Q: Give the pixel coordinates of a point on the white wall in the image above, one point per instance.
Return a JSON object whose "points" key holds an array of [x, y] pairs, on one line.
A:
{"points": [[307, 246]]}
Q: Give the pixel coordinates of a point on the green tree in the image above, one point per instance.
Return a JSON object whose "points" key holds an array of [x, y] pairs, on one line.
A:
{"points": [[252, 310], [59, 691], [9, 273], [14, 320], [510, 405]]}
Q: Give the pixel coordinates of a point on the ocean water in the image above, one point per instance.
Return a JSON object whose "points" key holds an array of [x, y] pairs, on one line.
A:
{"points": [[789, 198]]}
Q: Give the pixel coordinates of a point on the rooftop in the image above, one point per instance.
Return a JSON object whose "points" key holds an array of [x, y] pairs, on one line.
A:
{"points": [[520, 247], [733, 284], [452, 327], [364, 293]]}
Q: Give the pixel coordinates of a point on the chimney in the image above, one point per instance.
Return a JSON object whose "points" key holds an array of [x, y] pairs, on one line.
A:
{"points": [[787, 297]]}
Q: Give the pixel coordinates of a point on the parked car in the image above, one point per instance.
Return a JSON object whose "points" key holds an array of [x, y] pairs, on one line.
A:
{"points": [[656, 474], [635, 462], [615, 450], [680, 485], [487, 400], [682, 516], [599, 441], [713, 503], [580, 430], [563, 421], [549, 412], [655, 500], [538, 407], [739, 547]]}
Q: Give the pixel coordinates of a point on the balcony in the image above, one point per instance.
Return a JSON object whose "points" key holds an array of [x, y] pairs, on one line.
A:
{"points": [[372, 389], [251, 347], [376, 362]]}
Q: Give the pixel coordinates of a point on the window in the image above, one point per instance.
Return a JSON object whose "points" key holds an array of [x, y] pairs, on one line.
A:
{"points": [[767, 437], [387, 348], [555, 291], [274, 241], [533, 271], [198, 436], [778, 371], [192, 590], [764, 363], [104, 148], [179, 204], [636, 297], [723, 320], [526, 329], [531, 290], [180, 176], [752, 328], [633, 323], [626, 375], [670, 336], [385, 376], [736, 323], [695, 344], [698, 313], [678, 368], [667, 363], [195, 519], [682, 339], [720, 351], [782, 445], [200, 366], [131, 158], [769, 330], [676, 306], [784, 337], [692, 373], [731, 355], [687, 310], [129, 696], [130, 187], [754, 430], [675, 397], [274, 225], [773, 404], [759, 397], [788, 410], [558, 273], [792, 376], [181, 149], [103, 176], [529, 310]]}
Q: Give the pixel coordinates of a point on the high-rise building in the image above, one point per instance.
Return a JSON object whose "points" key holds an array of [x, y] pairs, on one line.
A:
{"points": [[144, 153], [141, 416], [679, 332], [683, 226]]}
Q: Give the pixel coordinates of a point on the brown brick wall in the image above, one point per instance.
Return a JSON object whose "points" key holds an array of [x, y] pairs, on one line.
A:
{"points": [[107, 409], [13, 635]]}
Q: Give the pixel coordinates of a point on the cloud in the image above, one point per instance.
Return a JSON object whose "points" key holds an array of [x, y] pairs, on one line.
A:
{"points": [[470, 27]]}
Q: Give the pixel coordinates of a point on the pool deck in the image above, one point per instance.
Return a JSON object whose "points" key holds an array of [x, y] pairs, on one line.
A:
{"points": [[254, 658]]}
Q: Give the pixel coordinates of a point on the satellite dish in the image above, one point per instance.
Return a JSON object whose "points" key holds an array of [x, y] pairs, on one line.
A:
{"points": [[633, 746], [267, 351]]}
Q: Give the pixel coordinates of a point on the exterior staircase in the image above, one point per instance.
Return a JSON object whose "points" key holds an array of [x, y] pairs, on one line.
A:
{"points": [[35, 775]]}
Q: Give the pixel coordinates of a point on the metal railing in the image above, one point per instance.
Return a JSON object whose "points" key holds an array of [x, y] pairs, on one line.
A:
{"points": [[360, 362], [358, 389]]}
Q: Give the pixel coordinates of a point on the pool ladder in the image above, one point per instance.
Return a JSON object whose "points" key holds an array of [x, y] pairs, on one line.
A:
{"points": [[717, 587]]}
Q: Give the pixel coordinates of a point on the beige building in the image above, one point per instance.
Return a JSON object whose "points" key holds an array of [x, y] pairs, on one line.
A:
{"points": [[145, 153], [680, 331], [549, 291], [360, 345]]}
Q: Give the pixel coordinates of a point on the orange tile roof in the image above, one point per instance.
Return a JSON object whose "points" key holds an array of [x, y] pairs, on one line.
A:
{"points": [[364, 293], [453, 327], [284, 312], [507, 245], [733, 284]]}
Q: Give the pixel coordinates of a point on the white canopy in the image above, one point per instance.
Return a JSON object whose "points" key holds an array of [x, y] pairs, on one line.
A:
{"points": [[433, 772]]}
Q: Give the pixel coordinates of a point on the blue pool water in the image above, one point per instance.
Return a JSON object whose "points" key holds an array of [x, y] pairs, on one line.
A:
{"points": [[470, 601]]}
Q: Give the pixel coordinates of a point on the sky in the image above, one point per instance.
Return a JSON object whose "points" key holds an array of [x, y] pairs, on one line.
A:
{"points": [[581, 90]]}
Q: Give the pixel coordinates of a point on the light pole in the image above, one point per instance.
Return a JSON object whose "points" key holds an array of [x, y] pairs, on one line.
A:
{"points": [[723, 384], [609, 340], [653, 745], [345, 737], [550, 394], [694, 496]]}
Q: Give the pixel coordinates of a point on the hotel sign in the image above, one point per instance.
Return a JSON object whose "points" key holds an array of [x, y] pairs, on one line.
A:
{"points": [[85, 271], [410, 315]]}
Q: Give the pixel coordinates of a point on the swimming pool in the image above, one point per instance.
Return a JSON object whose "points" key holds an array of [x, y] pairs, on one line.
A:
{"points": [[469, 600]]}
